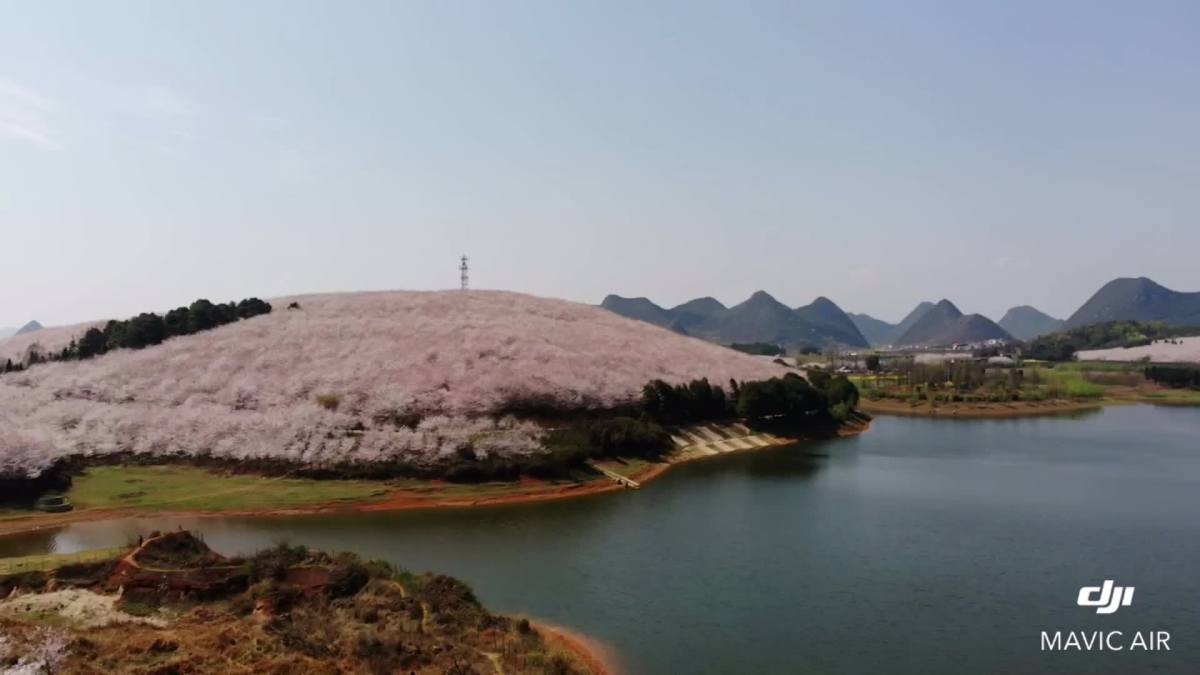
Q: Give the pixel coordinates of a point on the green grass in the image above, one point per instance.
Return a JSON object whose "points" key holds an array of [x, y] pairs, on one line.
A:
{"points": [[1188, 396], [869, 381], [626, 467], [460, 491], [182, 488], [41, 563], [1099, 366], [1071, 384], [186, 488]]}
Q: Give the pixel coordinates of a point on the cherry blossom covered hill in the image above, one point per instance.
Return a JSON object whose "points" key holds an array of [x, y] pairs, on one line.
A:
{"points": [[406, 377]]}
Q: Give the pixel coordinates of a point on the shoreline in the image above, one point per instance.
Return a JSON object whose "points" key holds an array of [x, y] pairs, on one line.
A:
{"points": [[402, 499], [594, 656], [989, 410], [193, 599], [1113, 394]]}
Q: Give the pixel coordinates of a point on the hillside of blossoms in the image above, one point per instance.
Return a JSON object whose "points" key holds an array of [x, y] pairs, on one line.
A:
{"points": [[351, 378]]}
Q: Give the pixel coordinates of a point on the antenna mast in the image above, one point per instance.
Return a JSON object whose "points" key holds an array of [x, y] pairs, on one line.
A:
{"points": [[463, 269]]}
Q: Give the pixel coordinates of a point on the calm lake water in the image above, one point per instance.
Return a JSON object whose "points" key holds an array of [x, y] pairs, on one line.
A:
{"points": [[922, 546]]}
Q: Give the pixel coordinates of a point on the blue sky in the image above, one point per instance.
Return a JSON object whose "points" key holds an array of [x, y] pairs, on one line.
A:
{"points": [[877, 153]]}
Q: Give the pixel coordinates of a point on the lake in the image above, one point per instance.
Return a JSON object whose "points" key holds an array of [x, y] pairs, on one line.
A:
{"points": [[921, 546]]}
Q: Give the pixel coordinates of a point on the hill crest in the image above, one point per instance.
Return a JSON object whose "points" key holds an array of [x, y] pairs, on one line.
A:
{"points": [[31, 327], [945, 324], [1138, 299], [419, 376], [1025, 322]]}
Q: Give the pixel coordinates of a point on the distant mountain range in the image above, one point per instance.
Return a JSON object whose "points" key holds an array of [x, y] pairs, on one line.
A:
{"points": [[881, 333], [1026, 323], [29, 328], [944, 324], [1138, 299], [761, 318], [930, 324], [913, 317], [877, 331]]}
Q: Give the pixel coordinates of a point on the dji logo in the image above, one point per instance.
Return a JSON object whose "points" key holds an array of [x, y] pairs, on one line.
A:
{"points": [[1110, 600], [1107, 599]]}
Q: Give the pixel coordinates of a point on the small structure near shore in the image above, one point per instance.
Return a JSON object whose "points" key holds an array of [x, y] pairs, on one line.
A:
{"points": [[53, 504]]}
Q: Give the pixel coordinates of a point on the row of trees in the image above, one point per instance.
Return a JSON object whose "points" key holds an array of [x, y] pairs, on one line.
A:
{"points": [[569, 446], [759, 348], [792, 399], [695, 401], [963, 374], [147, 329], [1174, 376], [789, 398]]}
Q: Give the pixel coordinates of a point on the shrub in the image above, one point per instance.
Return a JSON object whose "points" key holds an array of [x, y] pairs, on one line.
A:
{"points": [[139, 608], [840, 412], [1072, 384], [148, 329], [790, 397], [566, 449], [1174, 376], [274, 562], [570, 447], [759, 348], [819, 379], [695, 401], [347, 579], [623, 436], [841, 390]]}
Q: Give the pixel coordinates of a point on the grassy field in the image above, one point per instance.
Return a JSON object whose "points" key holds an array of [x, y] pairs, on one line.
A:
{"points": [[182, 488], [442, 490], [869, 381], [41, 563], [1042, 384], [1177, 396], [1100, 366], [630, 468], [1070, 383], [155, 489]]}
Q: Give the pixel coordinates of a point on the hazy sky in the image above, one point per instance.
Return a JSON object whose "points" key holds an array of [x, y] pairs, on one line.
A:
{"points": [[879, 153]]}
